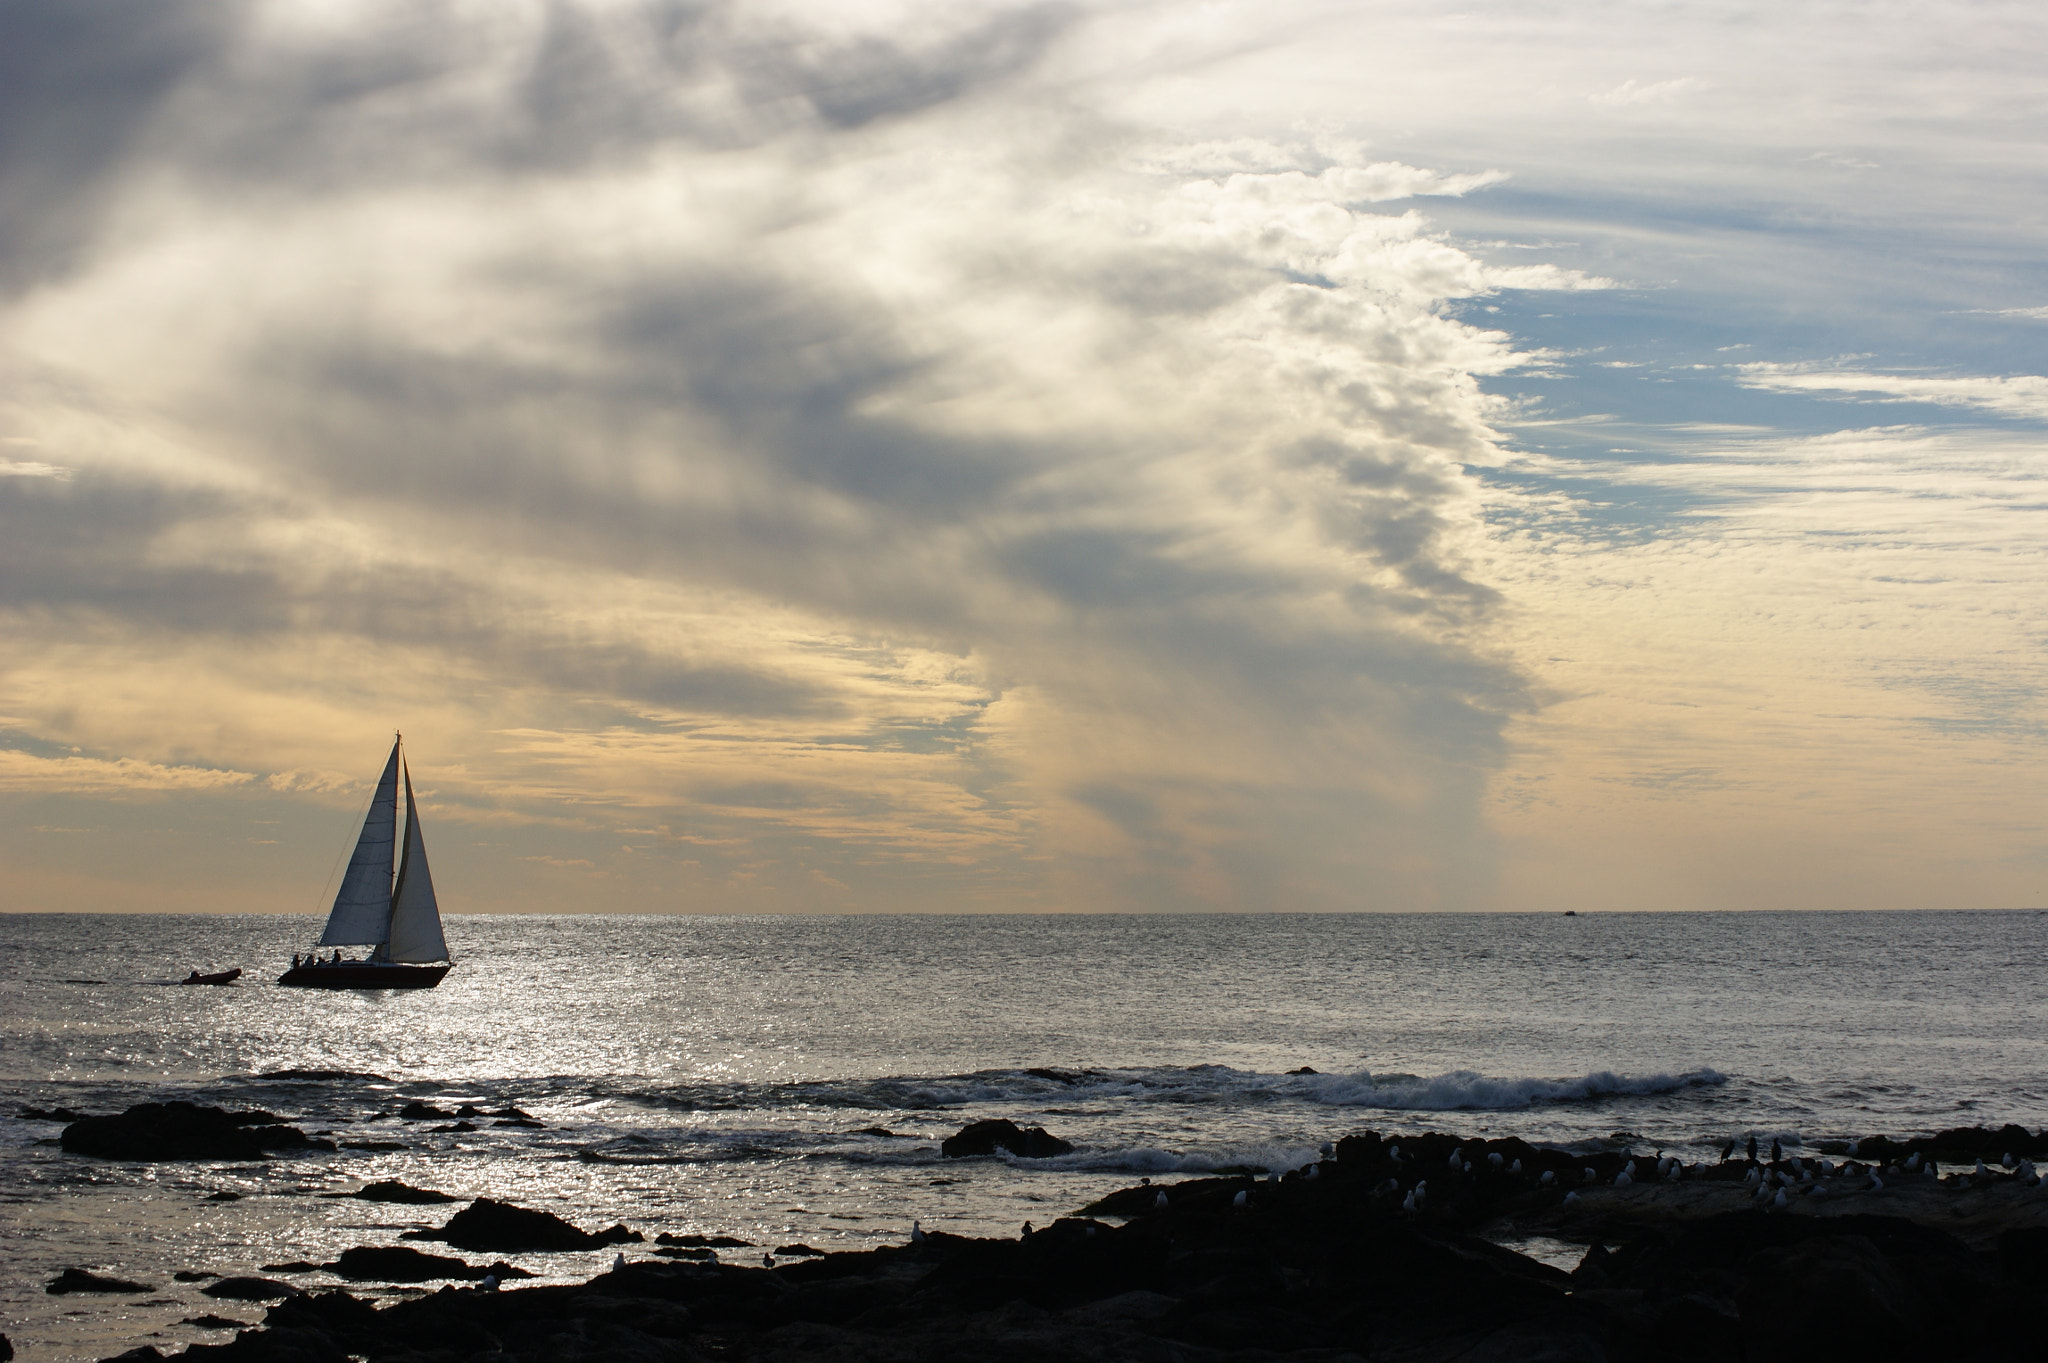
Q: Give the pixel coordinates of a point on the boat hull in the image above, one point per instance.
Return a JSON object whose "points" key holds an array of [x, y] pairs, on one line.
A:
{"points": [[218, 977], [363, 975]]}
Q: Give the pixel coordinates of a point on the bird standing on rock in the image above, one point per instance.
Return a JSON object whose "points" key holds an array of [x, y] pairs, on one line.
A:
{"points": [[916, 1233], [1752, 1147], [1777, 1151], [618, 1263], [1728, 1151], [1159, 1202]]}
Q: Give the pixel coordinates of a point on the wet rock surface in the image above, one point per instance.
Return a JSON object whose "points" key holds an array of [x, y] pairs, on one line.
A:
{"points": [[185, 1131], [985, 1138], [1369, 1254], [78, 1280]]}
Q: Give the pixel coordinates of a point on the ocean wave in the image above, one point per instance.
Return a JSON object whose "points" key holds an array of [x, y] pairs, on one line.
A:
{"points": [[1470, 1091]]}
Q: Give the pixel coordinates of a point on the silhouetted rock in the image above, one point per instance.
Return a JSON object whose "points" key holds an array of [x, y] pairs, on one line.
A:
{"points": [[985, 1138], [182, 1131], [500, 1228], [249, 1289], [209, 1321], [78, 1280], [401, 1264], [423, 1112], [392, 1190], [55, 1114]]}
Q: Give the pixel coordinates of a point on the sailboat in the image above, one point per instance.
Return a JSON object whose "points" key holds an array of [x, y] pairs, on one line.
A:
{"points": [[396, 916]]}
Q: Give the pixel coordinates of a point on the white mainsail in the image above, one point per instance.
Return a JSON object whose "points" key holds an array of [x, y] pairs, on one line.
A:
{"points": [[415, 917], [362, 909], [369, 910]]}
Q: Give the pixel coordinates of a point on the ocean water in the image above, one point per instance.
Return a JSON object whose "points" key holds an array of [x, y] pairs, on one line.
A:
{"points": [[789, 1079]]}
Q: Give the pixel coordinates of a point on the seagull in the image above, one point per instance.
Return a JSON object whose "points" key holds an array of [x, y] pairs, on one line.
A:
{"points": [[1311, 1171], [1980, 1169], [1240, 1200], [1496, 1159], [1408, 1202], [618, 1263], [1752, 1147], [1913, 1164], [1394, 1153], [1622, 1180], [1777, 1150], [1629, 1168], [1876, 1185], [1728, 1152], [917, 1236], [1571, 1199], [1677, 1170], [1549, 1177], [1027, 1230], [489, 1284], [1515, 1168], [1780, 1201], [1457, 1158], [1591, 1174], [1159, 1201], [1855, 1149], [768, 1261], [2008, 1161], [1329, 1151]]}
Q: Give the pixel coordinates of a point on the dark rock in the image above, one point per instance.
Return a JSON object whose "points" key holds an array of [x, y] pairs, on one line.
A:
{"points": [[985, 1138], [78, 1280], [55, 1114], [400, 1264], [702, 1241], [391, 1190], [1305, 1070], [224, 1195], [520, 1121], [500, 1228], [455, 1126], [875, 1131], [144, 1353], [194, 1275], [422, 1112], [6, 1349], [372, 1145], [209, 1321], [181, 1131], [295, 1266], [249, 1289], [799, 1252]]}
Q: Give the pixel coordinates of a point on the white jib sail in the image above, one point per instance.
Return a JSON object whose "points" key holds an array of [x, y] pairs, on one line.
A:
{"points": [[415, 917], [362, 908]]}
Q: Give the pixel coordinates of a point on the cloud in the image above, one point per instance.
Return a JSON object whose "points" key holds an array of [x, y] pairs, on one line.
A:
{"points": [[824, 437], [21, 771], [15, 468], [2024, 395], [1632, 91]]}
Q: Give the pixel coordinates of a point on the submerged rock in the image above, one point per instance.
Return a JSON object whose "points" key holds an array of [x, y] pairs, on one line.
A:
{"points": [[985, 1138], [78, 1280], [182, 1131]]}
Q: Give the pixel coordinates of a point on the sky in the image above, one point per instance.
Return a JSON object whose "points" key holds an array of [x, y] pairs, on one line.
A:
{"points": [[1111, 457]]}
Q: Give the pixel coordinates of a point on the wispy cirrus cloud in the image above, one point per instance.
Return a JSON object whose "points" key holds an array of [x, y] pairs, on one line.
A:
{"points": [[2022, 395]]}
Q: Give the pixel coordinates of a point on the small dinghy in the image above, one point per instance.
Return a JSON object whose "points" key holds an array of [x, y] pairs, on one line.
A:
{"points": [[218, 977], [397, 916]]}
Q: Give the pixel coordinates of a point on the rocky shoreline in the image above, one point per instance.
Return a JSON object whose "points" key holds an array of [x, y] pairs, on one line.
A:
{"points": [[1386, 1248]]}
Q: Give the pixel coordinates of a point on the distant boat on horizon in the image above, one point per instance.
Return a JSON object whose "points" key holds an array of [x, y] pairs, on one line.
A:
{"points": [[395, 915]]}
